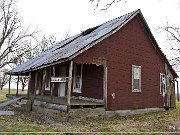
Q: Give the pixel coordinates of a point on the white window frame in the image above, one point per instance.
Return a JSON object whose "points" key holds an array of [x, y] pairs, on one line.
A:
{"points": [[133, 67], [77, 90], [46, 71], [162, 91]]}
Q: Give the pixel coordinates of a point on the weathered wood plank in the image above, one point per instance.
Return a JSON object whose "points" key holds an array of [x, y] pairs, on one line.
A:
{"points": [[51, 105], [6, 113], [69, 83], [10, 101]]}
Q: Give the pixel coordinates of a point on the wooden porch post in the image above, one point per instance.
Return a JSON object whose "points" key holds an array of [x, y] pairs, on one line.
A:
{"points": [[105, 86], [177, 90], [52, 89], [17, 85], [43, 83], [35, 87], [9, 84], [29, 82], [69, 83]]}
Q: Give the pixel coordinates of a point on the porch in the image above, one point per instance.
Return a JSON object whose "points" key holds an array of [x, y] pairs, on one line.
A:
{"points": [[75, 102]]}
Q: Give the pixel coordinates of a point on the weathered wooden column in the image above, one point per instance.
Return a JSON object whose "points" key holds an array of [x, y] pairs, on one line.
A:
{"points": [[69, 83], [29, 84], [105, 86], [43, 83], [17, 85], [52, 89], [9, 84], [177, 90], [36, 84]]}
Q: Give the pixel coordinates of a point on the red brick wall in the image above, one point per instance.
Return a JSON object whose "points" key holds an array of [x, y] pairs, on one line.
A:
{"points": [[129, 46], [92, 82]]}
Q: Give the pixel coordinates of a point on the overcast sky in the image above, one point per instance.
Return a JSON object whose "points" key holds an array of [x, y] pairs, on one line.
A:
{"points": [[56, 17]]}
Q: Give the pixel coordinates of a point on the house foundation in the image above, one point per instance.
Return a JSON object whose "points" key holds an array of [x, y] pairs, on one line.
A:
{"points": [[133, 112]]}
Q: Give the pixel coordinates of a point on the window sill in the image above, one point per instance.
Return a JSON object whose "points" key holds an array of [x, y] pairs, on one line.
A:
{"points": [[47, 89], [77, 91], [136, 91]]}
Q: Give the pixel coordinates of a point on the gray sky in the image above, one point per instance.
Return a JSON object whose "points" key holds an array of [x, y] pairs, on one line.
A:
{"points": [[56, 17]]}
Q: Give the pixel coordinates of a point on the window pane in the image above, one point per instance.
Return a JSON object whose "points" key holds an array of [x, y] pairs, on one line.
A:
{"points": [[136, 73], [77, 76], [77, 82], [78, 70], [47, 79], [136, 84], [162, 83]]}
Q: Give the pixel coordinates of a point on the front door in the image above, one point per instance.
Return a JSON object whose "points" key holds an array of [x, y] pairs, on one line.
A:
{"points": [[62, 85]]}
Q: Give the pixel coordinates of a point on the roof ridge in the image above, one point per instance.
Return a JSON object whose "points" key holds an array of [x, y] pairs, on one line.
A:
{"points": [[89, 30], [122, 16]]}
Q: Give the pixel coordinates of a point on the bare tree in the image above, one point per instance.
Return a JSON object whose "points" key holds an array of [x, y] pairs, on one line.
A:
{"points": [[12, 35], [173, 39], [30, 51], [4, 78], [43, 44], [24, 81], [107, 5]]}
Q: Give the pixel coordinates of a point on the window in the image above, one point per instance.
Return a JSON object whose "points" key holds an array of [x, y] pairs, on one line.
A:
{"points": [[136, 78], [162, 84], [47, 78], [37, 83], [77, 83]]}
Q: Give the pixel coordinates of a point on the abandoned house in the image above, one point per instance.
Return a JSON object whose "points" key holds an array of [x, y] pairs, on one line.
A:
{"points": [[116, 66]]}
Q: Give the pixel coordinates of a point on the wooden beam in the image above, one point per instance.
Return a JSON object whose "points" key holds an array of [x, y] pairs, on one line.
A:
{"points": [[17, 85], [9, 84], [69, 83]]}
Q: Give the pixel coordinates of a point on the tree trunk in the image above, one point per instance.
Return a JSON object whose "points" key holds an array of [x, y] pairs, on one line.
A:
{"points": [[23, 86]]}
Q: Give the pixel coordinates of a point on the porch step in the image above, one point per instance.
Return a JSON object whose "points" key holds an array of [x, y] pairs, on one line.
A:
{"points": [[22, 105]]}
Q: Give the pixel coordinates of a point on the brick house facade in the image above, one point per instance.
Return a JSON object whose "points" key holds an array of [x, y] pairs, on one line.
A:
{"points": [[122, 70]]}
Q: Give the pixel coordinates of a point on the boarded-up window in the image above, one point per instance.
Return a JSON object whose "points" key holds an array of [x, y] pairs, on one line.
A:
{"points": [[77, 83], [162, 84], [136, 78]]}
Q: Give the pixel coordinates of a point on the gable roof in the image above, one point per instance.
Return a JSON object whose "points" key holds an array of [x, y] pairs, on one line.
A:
{"points": [[75, 45]]}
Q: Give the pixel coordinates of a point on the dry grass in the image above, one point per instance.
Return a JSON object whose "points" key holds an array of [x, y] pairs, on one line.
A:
{"points": [[12, 91], [29, 122], [168, 121]]}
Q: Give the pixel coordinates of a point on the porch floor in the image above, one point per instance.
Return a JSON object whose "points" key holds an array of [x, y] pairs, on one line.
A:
{"points": [[74, 101]]}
